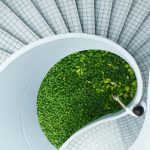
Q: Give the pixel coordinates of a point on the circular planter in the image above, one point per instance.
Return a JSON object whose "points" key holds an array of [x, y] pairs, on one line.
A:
{"points": [[21, 76]]}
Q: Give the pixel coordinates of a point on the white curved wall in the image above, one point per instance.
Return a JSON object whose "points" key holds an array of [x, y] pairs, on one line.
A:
{"points": [[21, 76]]}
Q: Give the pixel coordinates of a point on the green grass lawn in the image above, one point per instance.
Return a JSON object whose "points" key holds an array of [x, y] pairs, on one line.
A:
{"points": [[79, 89]]}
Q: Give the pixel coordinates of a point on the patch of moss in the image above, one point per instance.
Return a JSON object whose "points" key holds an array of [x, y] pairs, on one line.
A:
{"points": [[79, 89]]}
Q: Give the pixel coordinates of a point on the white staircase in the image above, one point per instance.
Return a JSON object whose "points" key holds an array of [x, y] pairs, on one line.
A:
{"points": [[126, 22]]}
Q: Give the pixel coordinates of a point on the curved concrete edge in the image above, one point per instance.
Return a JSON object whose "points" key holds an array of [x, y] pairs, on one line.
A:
{"points": [[24, 75]]}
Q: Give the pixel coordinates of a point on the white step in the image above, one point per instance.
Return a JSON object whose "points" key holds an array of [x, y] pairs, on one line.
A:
{"points": [[103, 13], [87, 15], [70, 14], [141, 36], [144, 66], [119, 14], [142, 52], [138, 13], [31, 16], [10, 22], [3, 56], [51, 14], [8, 42]]}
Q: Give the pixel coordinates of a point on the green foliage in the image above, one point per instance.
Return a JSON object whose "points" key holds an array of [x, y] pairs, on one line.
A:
{"points": [[79, 89]]}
